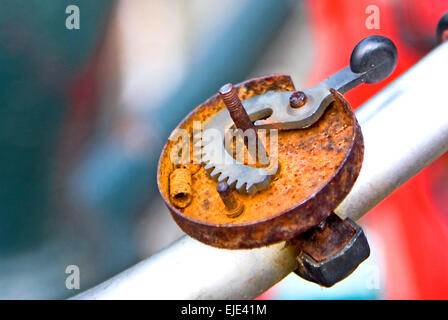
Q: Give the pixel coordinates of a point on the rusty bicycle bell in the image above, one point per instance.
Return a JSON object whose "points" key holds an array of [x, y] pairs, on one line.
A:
{"points": [[315, 149]]}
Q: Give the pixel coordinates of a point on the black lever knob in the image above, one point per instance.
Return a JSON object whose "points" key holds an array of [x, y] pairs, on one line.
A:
{"points": [[442, 29], [376, 56]]}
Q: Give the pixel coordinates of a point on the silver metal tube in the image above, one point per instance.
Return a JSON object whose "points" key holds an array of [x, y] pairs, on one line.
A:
{"points": [[405, 127]]}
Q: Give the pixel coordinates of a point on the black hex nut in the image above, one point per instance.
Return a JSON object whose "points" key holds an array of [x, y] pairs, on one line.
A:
{"points": [[339, 264]]}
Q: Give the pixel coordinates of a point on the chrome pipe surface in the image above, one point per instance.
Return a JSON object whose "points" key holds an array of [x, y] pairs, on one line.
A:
{"points": [[405, 128]]}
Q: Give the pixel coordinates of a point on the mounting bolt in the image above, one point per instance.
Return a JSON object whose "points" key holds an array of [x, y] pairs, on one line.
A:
{"points": [[297, 99], [233, 206]]}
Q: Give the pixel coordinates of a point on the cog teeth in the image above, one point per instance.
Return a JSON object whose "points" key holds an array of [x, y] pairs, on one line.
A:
{"points": [[244, 180], [223, 177], [264, 184], [208, 166], [198, 154], [251, 189], [215, 174], [240, 184], [198, 144], [231, 182], [204, 157]]}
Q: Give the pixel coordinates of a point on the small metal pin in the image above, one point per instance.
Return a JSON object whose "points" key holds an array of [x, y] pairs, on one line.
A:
{"points": [[233, 206], [297, 99]]}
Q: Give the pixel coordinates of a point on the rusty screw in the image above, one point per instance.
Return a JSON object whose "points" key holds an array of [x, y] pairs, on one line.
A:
{"points": [[233, 206], [239, 115], [233, 103], [297, 99]]}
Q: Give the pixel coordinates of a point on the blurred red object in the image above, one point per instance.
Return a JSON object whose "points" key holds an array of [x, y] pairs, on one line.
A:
{"points": [[412, 222]]}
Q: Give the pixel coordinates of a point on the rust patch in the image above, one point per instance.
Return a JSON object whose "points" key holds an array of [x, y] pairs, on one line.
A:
{"points": [[319, 166]]}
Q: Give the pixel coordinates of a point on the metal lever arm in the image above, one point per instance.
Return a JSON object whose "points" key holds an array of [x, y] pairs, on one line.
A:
{"points": [[372, 60]]}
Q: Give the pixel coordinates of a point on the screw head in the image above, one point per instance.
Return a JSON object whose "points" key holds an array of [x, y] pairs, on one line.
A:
{"points": [[297, 99], [225, 89]]}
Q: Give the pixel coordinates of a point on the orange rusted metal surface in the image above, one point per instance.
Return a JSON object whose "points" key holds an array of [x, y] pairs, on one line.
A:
{"points": [[318, 167]]}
